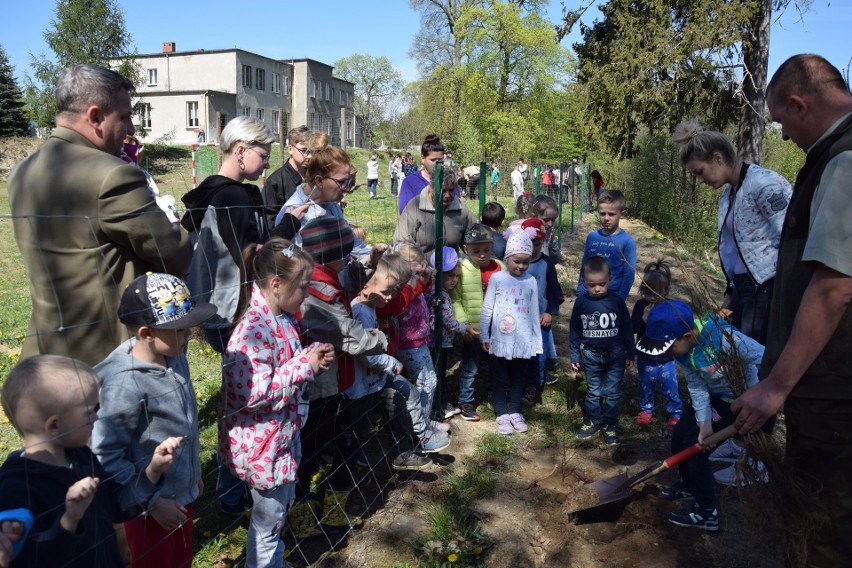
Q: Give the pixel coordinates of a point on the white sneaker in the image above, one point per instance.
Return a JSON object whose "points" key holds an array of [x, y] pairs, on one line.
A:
{"points": [[727, 451], [732, 476]]}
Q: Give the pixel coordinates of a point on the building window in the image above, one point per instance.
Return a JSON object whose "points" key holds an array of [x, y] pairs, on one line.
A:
{"points": [[349, 130], [312, 118], [192, 114], [313, 88], [246, 111], [152, 77], [260, 76], [286, 121], [276, 82], [144, 115], [288, 85], [259, 114], [327, 91], [247, 76], [276, 116]]}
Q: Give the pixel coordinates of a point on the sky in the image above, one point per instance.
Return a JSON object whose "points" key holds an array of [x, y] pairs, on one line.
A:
{"points": [[327, 30]]}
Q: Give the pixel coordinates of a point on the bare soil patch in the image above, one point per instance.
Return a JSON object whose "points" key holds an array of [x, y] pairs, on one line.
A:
{"points": [[13, 150]]}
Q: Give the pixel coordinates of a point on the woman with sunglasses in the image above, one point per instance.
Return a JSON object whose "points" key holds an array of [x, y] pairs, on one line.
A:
{"points": [[327, 179]]}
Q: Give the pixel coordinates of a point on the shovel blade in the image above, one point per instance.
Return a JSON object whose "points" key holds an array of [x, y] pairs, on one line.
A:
{"points": [[613, 495]]}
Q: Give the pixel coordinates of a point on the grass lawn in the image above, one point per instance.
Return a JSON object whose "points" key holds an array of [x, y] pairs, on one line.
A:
{"points": [[216, 535]]}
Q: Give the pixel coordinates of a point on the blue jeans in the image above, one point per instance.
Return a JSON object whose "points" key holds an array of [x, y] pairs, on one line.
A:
{"points": [[264, 546], [371, 186], [418, 364], [653, 373], [604, 375], [471, 352], [535, 369], [751, 306]]}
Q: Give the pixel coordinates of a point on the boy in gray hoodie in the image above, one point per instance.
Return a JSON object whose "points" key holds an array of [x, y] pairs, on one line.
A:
{"points": [[146, 397]]}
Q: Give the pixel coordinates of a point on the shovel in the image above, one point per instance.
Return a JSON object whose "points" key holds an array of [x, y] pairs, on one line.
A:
{"points": [[613, 493]]}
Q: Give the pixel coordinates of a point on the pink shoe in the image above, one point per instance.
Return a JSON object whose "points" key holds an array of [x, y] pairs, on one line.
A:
{"points": [[518, 422], [504, 425], [673, 420], [643, 418]]}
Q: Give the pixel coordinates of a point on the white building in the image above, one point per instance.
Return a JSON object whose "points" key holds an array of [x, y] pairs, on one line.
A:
{"points": [[184, 92]]}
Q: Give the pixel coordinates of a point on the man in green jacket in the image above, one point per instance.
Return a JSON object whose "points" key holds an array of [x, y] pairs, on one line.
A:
{"points": [[86, 222]]}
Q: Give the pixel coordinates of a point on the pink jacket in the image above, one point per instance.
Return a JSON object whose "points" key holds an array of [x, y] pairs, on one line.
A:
{"points": [[259, 406]]}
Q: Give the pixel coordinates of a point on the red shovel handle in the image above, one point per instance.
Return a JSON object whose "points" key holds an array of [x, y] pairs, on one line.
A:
{"points": [[696, 449]]}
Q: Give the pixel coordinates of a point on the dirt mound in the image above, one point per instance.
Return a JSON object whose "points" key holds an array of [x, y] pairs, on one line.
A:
{"points": [[13, 150]]}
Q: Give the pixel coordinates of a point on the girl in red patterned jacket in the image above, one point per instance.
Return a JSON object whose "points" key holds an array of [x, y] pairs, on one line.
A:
{"points": [[264, 372]]}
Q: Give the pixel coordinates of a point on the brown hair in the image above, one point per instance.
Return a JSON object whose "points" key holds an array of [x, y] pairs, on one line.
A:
{"points": [[35, 379], [657, 278], [597, 265], [324, 158], [615, 197], [298, 134], [277, 257], [523, 206], [541, 203]]}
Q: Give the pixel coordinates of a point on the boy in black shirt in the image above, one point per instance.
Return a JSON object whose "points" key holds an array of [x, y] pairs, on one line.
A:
{"points": [[600, 322]]}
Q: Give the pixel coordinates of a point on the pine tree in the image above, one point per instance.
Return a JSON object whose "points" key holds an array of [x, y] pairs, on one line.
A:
{"points": [[83, 31], [13, 121]]}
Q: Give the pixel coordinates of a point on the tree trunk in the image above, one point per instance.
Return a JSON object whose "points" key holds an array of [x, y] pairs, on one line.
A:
{"points": [[756, 65]]}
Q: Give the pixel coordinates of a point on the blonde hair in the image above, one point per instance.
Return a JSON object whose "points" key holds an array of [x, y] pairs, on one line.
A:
{"points": [[700, 144], [247, 130]]}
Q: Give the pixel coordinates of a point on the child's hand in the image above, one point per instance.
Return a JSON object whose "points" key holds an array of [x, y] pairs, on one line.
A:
{"points": [[398, 369], [10, 533], [168, 513], [376, 253], [705, 430], [486, 346], [320, 356], [545, 320], [164, 455], [77, 500], [628, 364], [576, 366]]}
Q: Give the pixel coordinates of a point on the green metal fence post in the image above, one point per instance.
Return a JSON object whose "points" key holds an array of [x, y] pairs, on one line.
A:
{"points": [[483, 170], [439, 281]]}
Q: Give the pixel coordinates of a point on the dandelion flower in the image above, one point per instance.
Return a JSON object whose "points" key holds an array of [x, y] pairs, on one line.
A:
{"points": [[453, 557]]}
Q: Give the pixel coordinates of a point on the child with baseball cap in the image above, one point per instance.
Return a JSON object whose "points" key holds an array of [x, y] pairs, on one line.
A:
{"points": [[147, 397], [706, 350], [475, 271]]}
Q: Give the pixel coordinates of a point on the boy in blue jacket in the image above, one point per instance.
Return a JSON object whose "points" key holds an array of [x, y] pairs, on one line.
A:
{"points": [[705, 350], [613, 244], [146, 397]]}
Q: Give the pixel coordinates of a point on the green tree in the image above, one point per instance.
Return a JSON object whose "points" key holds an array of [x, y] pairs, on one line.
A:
{"points": [[13, 121], [82, 31], [376, 84], [652, 62]]}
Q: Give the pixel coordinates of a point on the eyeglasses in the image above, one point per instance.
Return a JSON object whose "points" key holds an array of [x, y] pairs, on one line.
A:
{"points": [[304, 152], [341, 183], [263, 157]]}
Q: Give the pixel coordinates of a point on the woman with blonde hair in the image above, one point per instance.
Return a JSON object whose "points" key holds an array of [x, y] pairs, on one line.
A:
{"points": [[752, 208], [225, 215]]}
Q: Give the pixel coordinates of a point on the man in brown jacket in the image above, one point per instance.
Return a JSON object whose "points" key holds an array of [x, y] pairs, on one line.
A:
{"points": [[86, 222]]}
